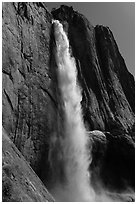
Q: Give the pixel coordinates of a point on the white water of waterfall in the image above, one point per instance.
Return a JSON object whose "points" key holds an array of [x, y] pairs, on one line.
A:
{"points": [[74, 150]]}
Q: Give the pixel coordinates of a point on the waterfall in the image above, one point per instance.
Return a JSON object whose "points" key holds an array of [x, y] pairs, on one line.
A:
{"points": [[70, 149]]}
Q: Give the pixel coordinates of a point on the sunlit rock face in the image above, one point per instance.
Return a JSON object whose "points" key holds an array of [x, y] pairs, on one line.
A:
{"points": [[27, 100]]}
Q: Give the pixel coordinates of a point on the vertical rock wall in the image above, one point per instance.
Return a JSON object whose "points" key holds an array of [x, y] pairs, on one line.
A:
{"points": [[27, 98], [108, 87]]}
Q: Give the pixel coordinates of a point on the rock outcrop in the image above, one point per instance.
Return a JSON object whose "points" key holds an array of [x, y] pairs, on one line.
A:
{"points": [[20, 183], [29, 101]]}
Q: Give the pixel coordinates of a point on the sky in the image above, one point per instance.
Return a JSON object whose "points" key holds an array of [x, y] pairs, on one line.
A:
{"points": [[118, 16]]}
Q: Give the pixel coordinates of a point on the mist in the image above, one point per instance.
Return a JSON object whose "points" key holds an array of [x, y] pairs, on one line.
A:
{"points": [[74, 154]]}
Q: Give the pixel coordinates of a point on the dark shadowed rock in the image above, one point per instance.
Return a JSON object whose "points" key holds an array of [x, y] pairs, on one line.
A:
{"points": [[113, 160], [119, 166], [107, 48], [20, 183], [108, 97], [107, 105]]}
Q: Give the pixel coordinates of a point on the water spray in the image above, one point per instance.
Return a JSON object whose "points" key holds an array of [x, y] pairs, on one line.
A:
{"points": [[73, 144]]}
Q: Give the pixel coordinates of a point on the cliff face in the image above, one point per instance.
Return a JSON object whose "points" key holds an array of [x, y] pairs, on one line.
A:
{"points": [[29, 101], [108, 97], [108, 87], [26, 81]]}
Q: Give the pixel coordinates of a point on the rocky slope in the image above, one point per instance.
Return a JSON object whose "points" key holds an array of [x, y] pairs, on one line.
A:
{"points": [[20, 183], [29, 100]]}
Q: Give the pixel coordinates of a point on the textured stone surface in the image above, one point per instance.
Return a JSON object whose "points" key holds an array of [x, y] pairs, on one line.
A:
{"points": [[30, 103], [108, 87], [26, 82], [20, 183]]}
